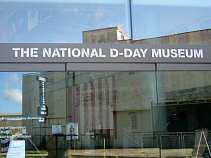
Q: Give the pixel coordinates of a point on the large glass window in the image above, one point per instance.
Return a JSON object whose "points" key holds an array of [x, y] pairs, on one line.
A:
{"points": [[158, 112], [142, 113]]}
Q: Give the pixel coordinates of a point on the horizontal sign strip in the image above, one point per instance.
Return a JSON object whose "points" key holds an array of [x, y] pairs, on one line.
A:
{"points": [[104, 53]]}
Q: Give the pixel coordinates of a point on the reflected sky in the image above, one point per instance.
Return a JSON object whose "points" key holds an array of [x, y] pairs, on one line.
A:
{"points": [[155, 21], [10, 92], [189, 3], [64, 21], [53, 22]]}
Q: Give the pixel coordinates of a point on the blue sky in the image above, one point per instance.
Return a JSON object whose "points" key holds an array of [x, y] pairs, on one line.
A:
{"points": [[64, 21], [10, 92]]}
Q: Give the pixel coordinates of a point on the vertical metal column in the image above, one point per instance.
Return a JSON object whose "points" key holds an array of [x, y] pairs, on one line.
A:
{"points": [[157, 111], [130, 18]]}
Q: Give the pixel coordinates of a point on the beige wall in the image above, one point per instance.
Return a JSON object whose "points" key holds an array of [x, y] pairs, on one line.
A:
{"points": [[106, 35]]}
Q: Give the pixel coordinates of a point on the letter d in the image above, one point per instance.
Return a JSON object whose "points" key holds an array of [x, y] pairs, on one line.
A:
{"points": [[114, 53], [127, 53]]}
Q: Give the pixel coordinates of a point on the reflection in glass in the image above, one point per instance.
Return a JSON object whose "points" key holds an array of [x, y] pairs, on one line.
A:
{"points": [[164, 18], [185, 95], [116, 107], [184, 105], [57, 22]]}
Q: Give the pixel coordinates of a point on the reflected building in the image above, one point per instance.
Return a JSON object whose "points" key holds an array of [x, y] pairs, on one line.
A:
{"points": [[10, 123], [105, 35], [127, 109]]}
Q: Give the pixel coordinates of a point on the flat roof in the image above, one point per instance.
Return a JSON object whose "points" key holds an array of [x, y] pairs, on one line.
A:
{"points": [[104, 28]]}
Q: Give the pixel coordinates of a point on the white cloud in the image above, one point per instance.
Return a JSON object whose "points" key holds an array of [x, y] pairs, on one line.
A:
{"points": [[13, 77], [14, 95], [99, 14]]}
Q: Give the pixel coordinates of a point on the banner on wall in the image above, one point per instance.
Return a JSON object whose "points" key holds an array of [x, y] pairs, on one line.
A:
{"points": [[56, 129]]}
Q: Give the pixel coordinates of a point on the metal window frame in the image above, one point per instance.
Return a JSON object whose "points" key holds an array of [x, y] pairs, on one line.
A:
{"points": [[64, 67]]}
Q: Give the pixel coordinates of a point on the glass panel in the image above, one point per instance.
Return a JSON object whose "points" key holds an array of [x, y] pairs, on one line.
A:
{"points": [[110, 110], [115, 107], [63, 21], [165, 18], [184, 110], [86, 110]]}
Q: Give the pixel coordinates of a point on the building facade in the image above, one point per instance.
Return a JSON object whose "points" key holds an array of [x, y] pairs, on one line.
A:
{"points": [[137, 109]]}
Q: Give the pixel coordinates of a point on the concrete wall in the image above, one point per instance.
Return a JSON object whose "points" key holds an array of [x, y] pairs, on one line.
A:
{"points": [[30, 95], [106, 35]]}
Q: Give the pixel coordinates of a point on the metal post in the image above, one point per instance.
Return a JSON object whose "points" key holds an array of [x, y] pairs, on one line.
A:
{"points": [[73, 107], [157, 108], [206, 143], [66, 86], [160, 148], [40, 135], [45, 135], [56, 146], [197, 152], [130, 18], [71, 139]]}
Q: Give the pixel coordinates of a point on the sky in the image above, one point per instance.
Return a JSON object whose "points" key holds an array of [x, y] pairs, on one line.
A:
{"points": [[25, 21], [10, 92]]}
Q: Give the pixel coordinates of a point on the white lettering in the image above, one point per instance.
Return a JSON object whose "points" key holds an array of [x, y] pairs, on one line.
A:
{"points": [[46, 52], [198, 53], [127, 53], [16, 51], [156, 53], [144, 51], [114, 53], [76, 52]]}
